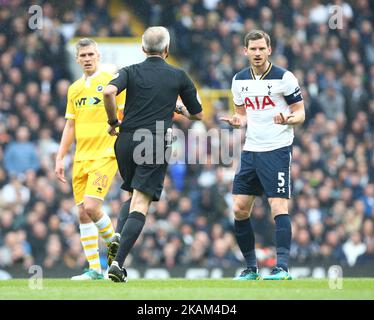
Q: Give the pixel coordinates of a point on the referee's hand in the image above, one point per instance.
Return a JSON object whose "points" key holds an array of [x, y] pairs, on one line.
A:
{"points": [[112, 129], [234, 121]]}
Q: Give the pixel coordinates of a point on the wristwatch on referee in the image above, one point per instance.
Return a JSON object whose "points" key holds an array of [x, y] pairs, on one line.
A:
{"points": [[113, 122], [179, 109]]}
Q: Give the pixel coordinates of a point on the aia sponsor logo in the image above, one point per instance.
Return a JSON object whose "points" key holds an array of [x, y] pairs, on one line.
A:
{"points": [[259, 103]]}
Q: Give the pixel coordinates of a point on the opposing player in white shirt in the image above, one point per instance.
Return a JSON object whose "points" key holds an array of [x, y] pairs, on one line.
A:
{"points": [[268, 101]]}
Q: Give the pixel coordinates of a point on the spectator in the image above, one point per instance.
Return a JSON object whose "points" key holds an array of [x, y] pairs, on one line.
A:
{"points": [[74, 257], [368, 256], [368, 200], [37, 238], [120, 27], [220, 256], [15, 193], [20, 155], [53, 252], [353, 248], [332, 102], [367, 230], [185, 209], [333, 241], [303, 249]]}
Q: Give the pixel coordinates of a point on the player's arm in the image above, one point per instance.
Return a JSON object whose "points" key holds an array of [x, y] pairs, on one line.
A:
{"points": [[110, 93], [239, 119], [294, 99], [297, 115], [67, 139]]}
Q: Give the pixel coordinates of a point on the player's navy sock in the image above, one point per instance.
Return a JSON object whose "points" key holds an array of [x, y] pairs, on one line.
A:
{"points": [[123, 215], [130, 232], [246, 241], [283, 235]]}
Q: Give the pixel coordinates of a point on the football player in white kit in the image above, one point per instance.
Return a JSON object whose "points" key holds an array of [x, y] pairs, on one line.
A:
{"points": [[268, 101]]}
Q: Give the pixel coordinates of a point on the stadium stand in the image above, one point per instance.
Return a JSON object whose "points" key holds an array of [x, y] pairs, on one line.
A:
{"points": [[333, 172]]}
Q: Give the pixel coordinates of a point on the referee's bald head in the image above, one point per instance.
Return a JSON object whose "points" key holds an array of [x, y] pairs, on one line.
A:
{"points": [[156, 40]]}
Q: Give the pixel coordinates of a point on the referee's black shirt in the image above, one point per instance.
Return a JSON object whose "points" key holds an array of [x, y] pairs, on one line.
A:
{"points": [[153, 87]]}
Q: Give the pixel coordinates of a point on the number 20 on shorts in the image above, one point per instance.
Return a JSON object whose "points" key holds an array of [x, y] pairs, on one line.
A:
{"points": [[101, 180]]}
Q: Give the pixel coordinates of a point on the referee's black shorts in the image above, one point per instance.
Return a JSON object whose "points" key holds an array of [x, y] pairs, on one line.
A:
{"points": [[146, 177]]}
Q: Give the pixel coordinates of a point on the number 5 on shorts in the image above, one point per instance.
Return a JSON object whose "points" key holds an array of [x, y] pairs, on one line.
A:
{"points": [[281, 183]]}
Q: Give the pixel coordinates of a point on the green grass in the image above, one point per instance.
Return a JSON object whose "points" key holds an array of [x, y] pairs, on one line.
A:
{"points": [[171, 289]]}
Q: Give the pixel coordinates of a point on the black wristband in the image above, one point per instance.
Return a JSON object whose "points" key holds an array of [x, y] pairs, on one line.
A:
{"points": [[113, 122]]}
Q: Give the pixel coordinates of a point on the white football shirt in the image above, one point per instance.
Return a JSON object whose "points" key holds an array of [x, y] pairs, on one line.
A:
{"points": [[263, 98]]}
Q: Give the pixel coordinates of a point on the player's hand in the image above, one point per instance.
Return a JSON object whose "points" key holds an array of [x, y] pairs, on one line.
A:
{"points": [[234, 121], [279, 118], [112, 129], [60, 170]]}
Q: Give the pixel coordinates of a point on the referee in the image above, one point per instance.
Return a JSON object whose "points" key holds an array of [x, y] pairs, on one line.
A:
{"points": [[152, 88]]}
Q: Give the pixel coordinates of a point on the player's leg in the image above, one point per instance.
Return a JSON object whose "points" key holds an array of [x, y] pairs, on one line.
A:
{"points": [[140, 203], [244, 235], [102, 223], [89, 239], [246, 186], [275, 176], [93, 208], [283, 235], [101, 174], [88, 231]]}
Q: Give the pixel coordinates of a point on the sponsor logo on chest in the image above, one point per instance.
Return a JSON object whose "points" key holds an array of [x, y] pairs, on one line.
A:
{"points": [[260, 95], [86, 102]]}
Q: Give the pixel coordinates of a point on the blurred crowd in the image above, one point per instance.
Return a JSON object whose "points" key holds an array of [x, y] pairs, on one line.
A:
{"points": [[332, 206]]}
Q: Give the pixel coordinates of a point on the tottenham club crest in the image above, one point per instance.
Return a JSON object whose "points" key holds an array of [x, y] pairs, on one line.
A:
{"points": [[100, 88], [269, 87]]}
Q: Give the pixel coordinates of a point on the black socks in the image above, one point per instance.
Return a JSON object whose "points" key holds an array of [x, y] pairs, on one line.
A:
{"points": [[246, 241], [283, 235], [123, 215], [130, 233]]}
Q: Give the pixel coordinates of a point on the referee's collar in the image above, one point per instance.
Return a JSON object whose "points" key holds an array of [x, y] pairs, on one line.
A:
{"points": [[155, 58]]}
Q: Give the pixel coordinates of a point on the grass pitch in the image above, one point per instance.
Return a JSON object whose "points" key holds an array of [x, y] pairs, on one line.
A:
{"points": [[183, 289]]}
